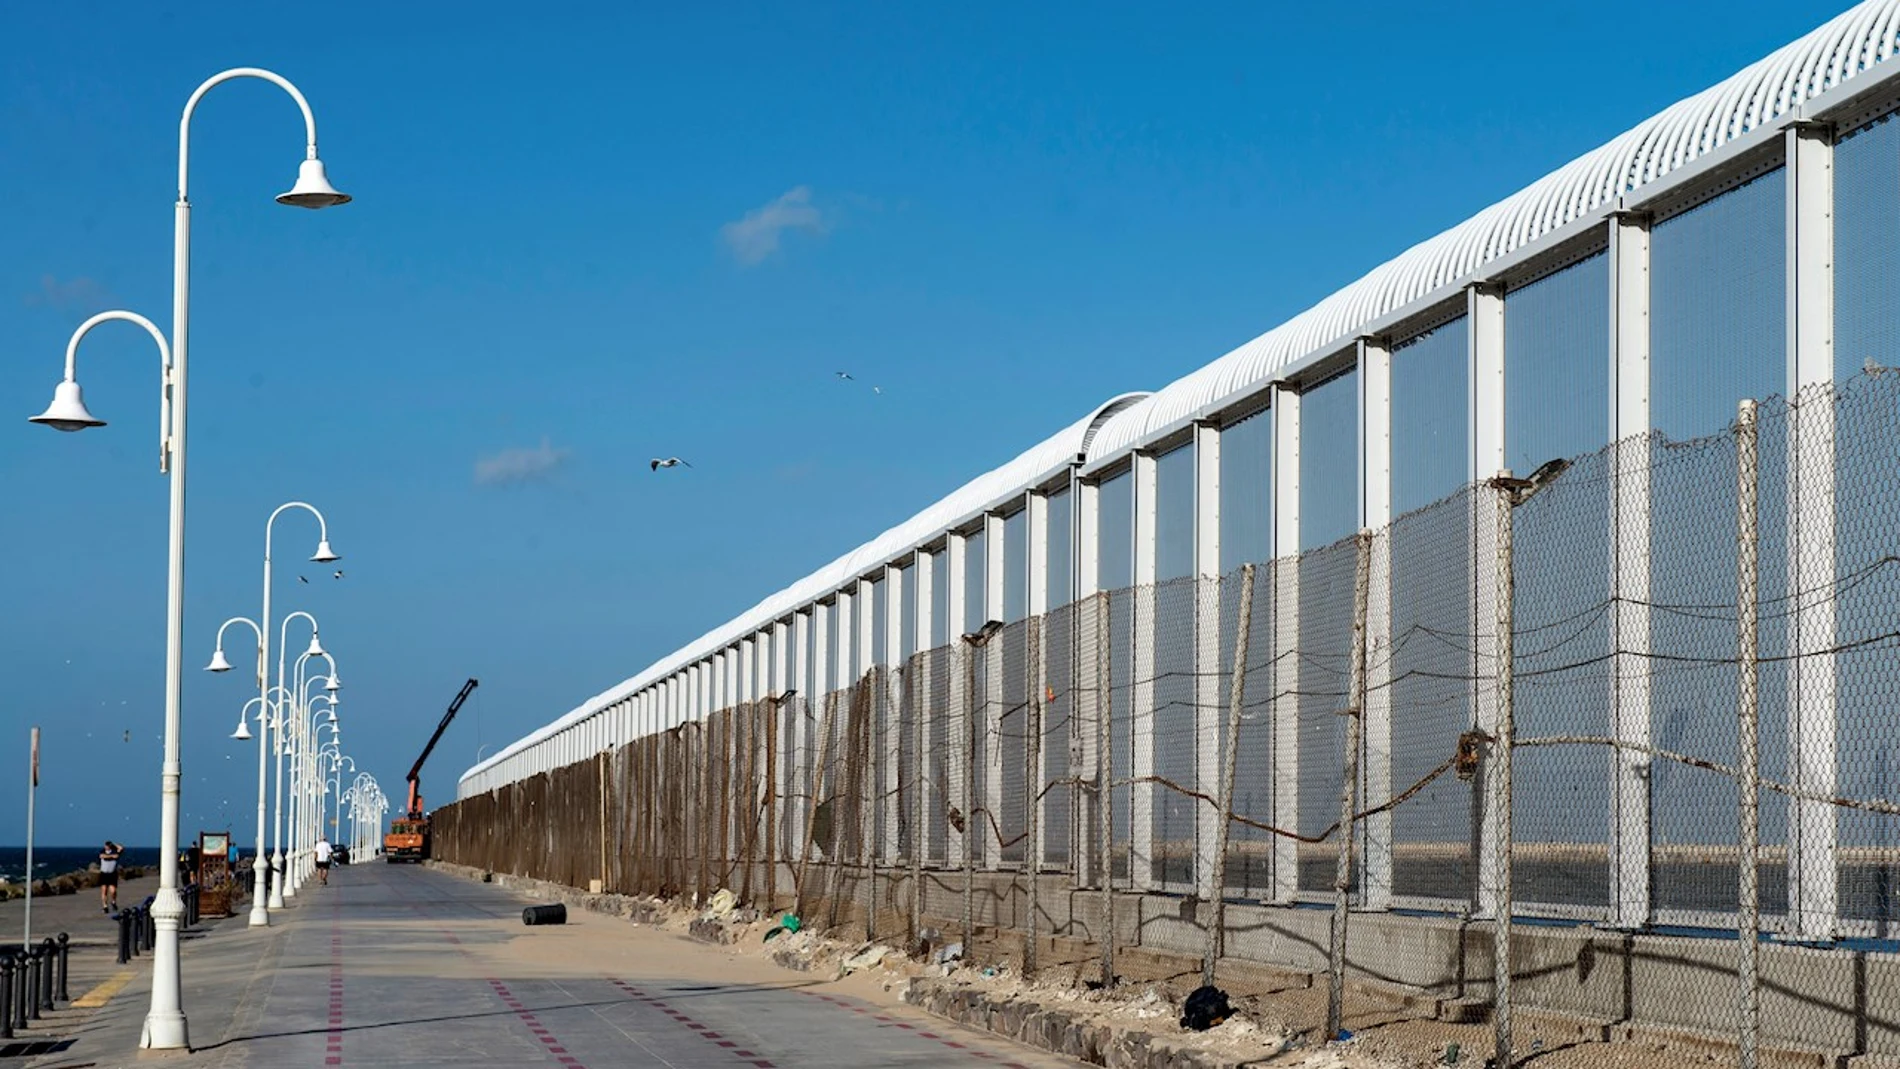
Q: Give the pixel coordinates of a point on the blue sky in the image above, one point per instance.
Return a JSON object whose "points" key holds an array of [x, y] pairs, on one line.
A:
{"points": [[591, 236]]}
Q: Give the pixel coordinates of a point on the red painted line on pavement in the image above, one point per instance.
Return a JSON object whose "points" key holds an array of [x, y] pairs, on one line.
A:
{"points": [[700, 1030], [333, 1041], [535, 1026]]}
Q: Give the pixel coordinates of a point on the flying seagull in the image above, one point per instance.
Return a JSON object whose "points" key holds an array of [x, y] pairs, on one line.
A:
{"points": [[669, 462], [301, 579], [339, 573], [843, 376]]}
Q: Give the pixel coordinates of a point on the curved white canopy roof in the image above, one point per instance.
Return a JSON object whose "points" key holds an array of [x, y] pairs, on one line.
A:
{"points": [[1764, 93]]}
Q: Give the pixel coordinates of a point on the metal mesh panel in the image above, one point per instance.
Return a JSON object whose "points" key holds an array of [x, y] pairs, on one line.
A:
{"points": [[1325, 615], [1564, 639], [1429, 666]]}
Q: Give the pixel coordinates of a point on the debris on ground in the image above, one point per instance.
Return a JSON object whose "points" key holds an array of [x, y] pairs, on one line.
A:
{"points": [[721, 903], [787, 923], [1205, 1007], [867, 957]]}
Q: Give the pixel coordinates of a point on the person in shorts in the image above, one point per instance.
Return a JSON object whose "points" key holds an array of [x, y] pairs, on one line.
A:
{"points": [[323, 860], [109, 876]]}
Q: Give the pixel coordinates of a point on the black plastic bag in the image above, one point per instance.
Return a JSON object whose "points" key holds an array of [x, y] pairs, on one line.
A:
{"points": [[1205, 1007]]}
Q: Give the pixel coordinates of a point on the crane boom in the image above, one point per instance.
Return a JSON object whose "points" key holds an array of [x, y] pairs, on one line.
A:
{"points": [[415, 772]]}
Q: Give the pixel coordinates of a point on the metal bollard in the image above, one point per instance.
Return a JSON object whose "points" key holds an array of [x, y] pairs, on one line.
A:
{"points": [[65, 962], [148, 926], [6, 994], [49, 969], [125, 938], [33, 983]]}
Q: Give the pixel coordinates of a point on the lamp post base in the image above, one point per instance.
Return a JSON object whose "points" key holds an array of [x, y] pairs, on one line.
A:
{"points": [[260, 917], [165, 1023]]}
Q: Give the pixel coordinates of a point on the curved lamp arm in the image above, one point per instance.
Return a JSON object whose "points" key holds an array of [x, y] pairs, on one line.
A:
{"points": [[68, 410], [323, 535], [218, 663], [278, 80]]}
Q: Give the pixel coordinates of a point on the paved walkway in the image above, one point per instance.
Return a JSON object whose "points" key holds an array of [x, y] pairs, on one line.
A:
{"points": [[401, 966]]}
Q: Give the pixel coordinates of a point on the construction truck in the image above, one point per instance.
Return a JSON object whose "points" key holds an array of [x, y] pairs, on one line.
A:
{"points": [[408, 838]]}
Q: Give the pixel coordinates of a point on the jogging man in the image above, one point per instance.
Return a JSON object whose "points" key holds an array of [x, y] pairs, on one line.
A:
{"points": [[109, 876], [323, 860]]}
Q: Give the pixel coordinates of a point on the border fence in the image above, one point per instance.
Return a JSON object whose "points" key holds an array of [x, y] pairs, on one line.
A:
{"points": [[1627, 723]]}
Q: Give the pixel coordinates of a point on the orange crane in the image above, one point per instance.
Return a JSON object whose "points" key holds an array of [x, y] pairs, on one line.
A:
{"points": [[408, 838]]}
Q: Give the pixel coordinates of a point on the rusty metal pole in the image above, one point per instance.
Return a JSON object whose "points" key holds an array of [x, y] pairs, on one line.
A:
{"points": [[1236, 698], [1032, 780], [1747, 607], [1349, 788], [1505, 497]]}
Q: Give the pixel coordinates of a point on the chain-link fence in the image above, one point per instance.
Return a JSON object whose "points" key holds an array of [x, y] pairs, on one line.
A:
{"points": [[1640, 706]]}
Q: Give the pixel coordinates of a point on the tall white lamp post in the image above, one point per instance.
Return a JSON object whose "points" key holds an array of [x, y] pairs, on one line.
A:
{"points": [[165, 1026], [260, 916], [288, 698]]}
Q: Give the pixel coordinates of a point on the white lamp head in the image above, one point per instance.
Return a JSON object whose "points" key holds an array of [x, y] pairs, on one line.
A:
{"points": [[243, 732], [68, 410], [316, 648], [313, 189], [219, 664], [332, 686], [333, 714], [324, 553]]}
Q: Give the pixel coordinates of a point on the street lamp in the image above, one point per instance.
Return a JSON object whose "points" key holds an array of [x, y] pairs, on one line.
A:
{"points": [[260, 914], [296, 750], [290, 698], [165, 1025]]}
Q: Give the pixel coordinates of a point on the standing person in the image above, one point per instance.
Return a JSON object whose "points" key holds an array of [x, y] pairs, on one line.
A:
{"points": [[109, 876], [323, 860]]}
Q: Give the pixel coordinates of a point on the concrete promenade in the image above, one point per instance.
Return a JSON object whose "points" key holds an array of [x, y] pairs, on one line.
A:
{"points": [[401, 966]]}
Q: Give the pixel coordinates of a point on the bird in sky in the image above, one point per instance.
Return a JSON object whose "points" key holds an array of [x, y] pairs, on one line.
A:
{"points": [[669, 462], [877, 389], [302, 579], [843, 376], [339, 573]]}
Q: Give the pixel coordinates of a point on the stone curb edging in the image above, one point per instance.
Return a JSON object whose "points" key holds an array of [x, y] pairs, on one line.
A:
{"points": [[1060, 1030]]}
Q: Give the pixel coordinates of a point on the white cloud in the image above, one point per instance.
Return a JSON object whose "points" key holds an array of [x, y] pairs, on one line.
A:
{"points": [[756, 237], [75, 294], [520, 465]]}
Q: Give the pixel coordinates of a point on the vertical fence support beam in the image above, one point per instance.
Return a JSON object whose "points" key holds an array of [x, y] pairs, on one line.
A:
{"points": [[1748, 785], [782, 725], [864, 673], [1503, 500], [988, 830], [891, 754], [1036, 774], [1141, 711], [1375, 486], [1348, 787], [1210, 819], [930, 788], [956, 765], [1485, 310], [1285, 677], [1087, 703], [1813, 905], [1236, 701], [799, 716], [1629, 569]]}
